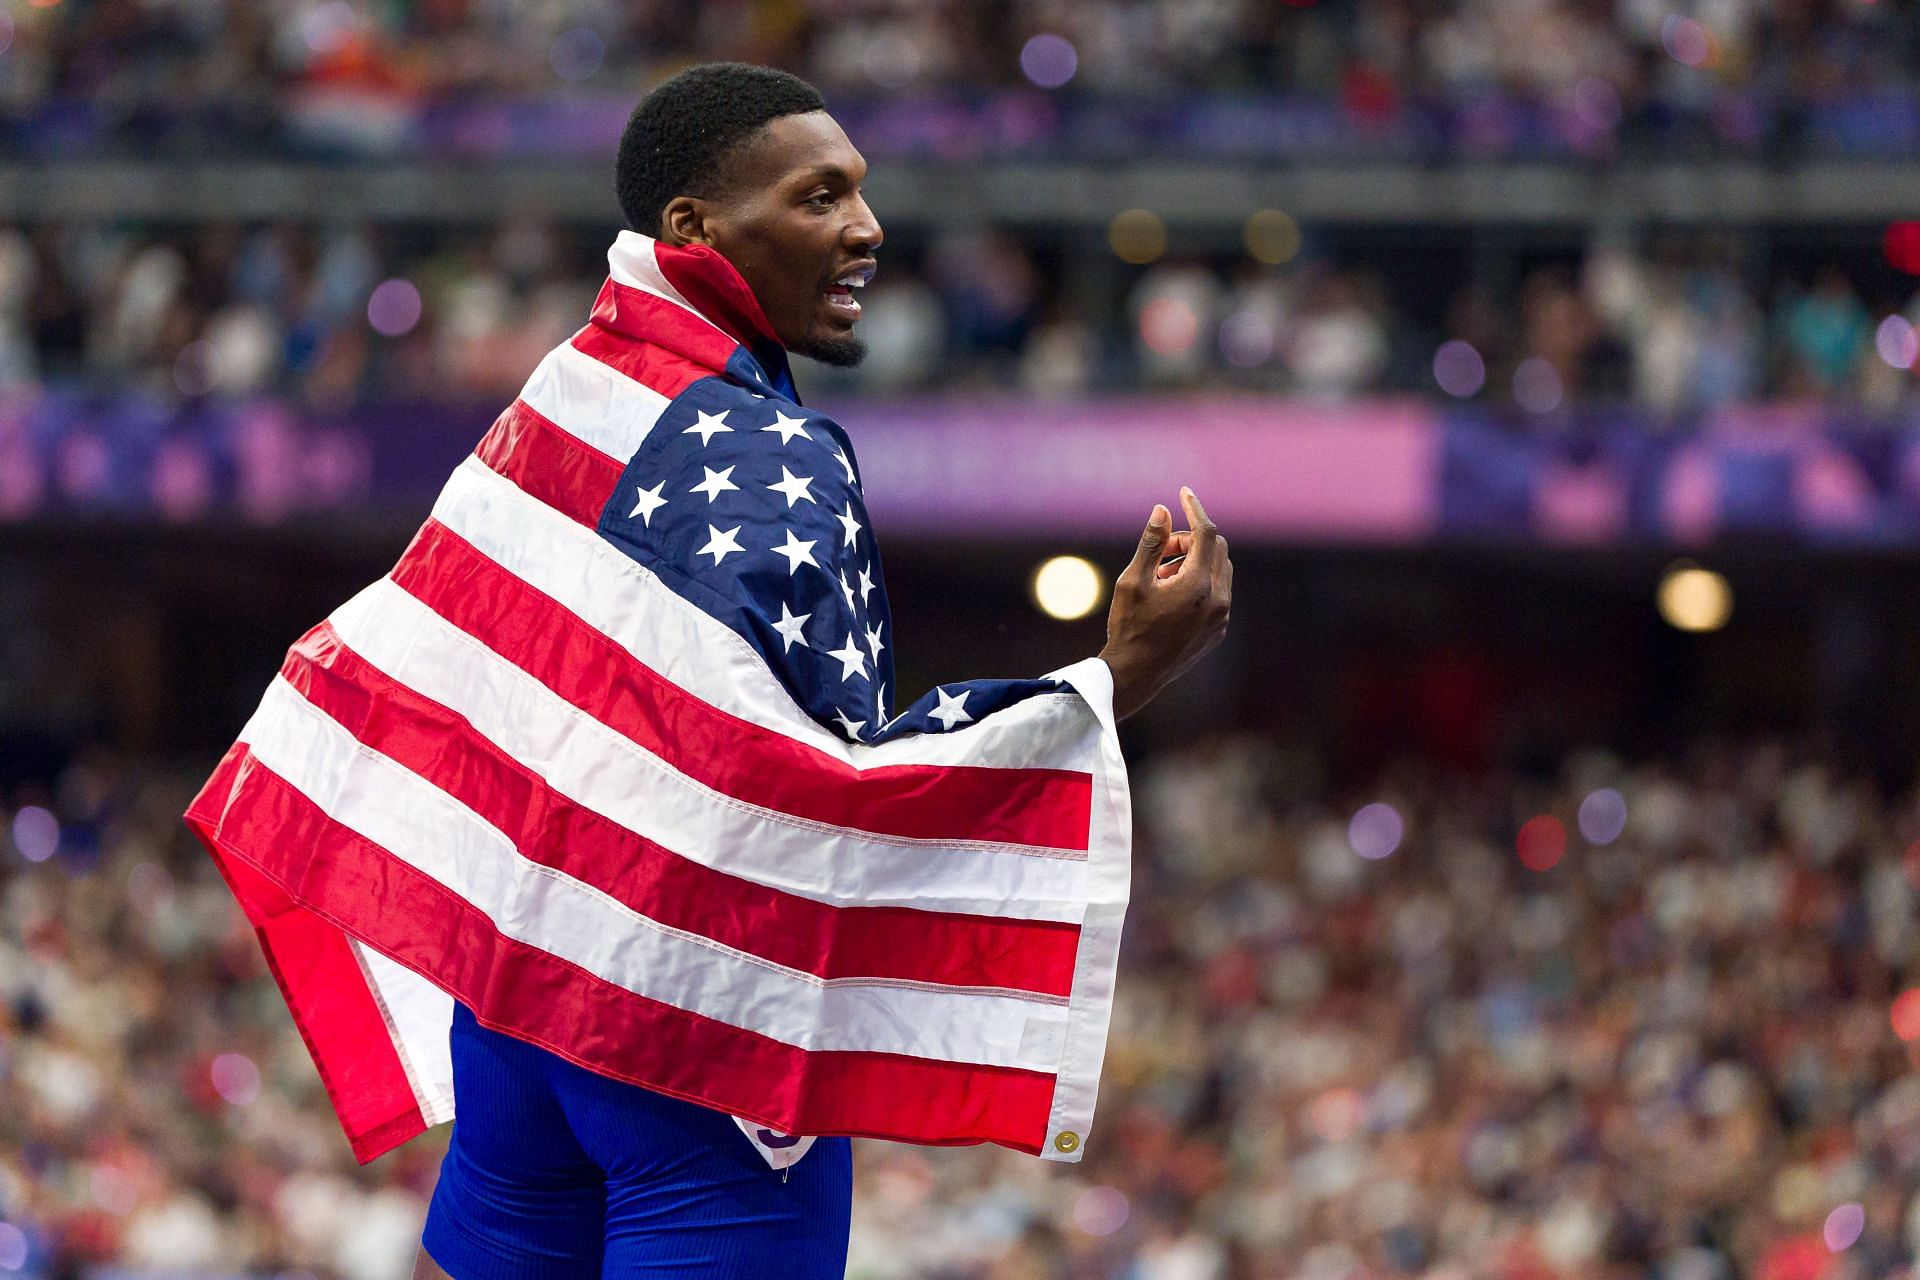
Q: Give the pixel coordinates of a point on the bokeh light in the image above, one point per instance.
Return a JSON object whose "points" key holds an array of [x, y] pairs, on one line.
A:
{"points": [[1902, 247], [1843, 1227], [1049, 61], [1695, 599], [36, 833], [1536, 386], [235, 1078], [1542, 842], [1603, 816], [1100, 1211], [1687, 40], [1271, 236], [1905, 1014], [13, 1247], [1248, 338], [1137, 236], [577, 54], [6, 31], [394, 307], [1068, 587], [1458, 368], [1897, 342], [1375, 830], [1169, 327]]}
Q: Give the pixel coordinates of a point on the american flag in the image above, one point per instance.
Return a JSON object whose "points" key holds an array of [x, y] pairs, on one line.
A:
{"points": [[609, 758]]}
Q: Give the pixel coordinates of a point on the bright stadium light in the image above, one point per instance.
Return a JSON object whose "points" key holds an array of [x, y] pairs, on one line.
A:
{"points": [[1138, 236], [1068, 587], [1695, 599]]}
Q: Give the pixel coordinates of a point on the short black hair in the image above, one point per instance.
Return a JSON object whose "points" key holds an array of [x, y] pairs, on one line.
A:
{"points": [[678, 137]]}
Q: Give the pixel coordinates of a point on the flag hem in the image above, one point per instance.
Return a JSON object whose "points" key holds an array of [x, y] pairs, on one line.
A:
{"points": [[1109, 879]]}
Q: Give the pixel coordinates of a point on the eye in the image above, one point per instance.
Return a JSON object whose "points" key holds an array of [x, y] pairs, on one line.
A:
{"points": [[821, 199]]}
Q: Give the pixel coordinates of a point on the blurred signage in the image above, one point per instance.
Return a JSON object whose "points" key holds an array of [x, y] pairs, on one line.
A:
{"points": [[981, 468]]}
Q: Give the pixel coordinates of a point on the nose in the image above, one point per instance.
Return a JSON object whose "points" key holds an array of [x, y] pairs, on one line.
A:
{"points": [[862, 233]]}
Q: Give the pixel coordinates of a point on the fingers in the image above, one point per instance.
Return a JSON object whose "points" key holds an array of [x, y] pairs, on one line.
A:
{"points": [[1147, 555], [1206, 537], [1173, 554]]}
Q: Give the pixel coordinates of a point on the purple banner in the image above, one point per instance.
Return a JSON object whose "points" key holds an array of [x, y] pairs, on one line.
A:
{"points": [[1271, 468], [981, 467]]}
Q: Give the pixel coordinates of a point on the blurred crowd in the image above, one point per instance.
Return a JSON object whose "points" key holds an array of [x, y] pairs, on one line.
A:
{"points": [[1631, 1020], [244, 64], [330, 316]]}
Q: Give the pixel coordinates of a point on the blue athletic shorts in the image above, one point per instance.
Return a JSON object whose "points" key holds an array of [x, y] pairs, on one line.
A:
{"points": [[556, 1173]]}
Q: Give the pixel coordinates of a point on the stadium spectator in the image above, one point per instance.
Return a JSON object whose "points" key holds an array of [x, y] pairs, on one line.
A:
{"points": [[292, 312], [1663, 1038], [326, 74]]}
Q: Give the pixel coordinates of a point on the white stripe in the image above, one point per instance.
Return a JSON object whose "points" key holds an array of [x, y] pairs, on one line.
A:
{"points": [[620, 598], [443, 839], [602, 770], [631, 262], [418, 1017], [593, 402]]}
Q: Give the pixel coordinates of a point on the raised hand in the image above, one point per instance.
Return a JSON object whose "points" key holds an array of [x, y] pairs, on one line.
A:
{"points": [[1170, 604]]}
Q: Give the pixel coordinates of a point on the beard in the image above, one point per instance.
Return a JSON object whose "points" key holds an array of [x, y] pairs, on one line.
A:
{"points": [[841, 353]]}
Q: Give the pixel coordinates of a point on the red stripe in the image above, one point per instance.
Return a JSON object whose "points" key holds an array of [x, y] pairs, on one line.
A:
{"points": [[547, 463], [704, 277], [321, 978], [677, 349], [548, 828], [1045, 807], [533, 994]]}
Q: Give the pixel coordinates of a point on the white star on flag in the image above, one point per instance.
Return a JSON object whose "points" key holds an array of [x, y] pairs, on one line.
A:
{"points": [[848, 523], [797, 554], [850, 726], [845, 589], [873, 643], [788, 427], [709, 426], [648, 502], [841, 458], [716, 483], [852, 661], [866, 586], [789, 628], [793, 486], [720, 545], [952, 709]]}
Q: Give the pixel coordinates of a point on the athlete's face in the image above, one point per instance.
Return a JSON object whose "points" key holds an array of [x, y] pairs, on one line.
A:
{"points": [[795, 226]]}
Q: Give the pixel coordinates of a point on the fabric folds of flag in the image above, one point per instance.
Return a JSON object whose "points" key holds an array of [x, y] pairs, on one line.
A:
{"points": [[609, 758]]}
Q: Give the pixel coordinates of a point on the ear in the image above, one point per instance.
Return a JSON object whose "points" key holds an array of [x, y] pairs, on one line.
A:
{"points": [[684, 221]]}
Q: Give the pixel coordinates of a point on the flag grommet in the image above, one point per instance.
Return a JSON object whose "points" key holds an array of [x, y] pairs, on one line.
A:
{"points": [[1067, 1141]]}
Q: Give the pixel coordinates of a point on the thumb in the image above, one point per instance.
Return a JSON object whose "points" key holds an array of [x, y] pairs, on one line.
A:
{"points": [[1159, 527]]}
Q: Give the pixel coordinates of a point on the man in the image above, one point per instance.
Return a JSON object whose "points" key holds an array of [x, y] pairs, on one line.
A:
{"points": [[596, 815]]}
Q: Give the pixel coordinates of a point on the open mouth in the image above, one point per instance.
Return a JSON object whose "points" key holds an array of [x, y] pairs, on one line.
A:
{"points": [[839, 293]]}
